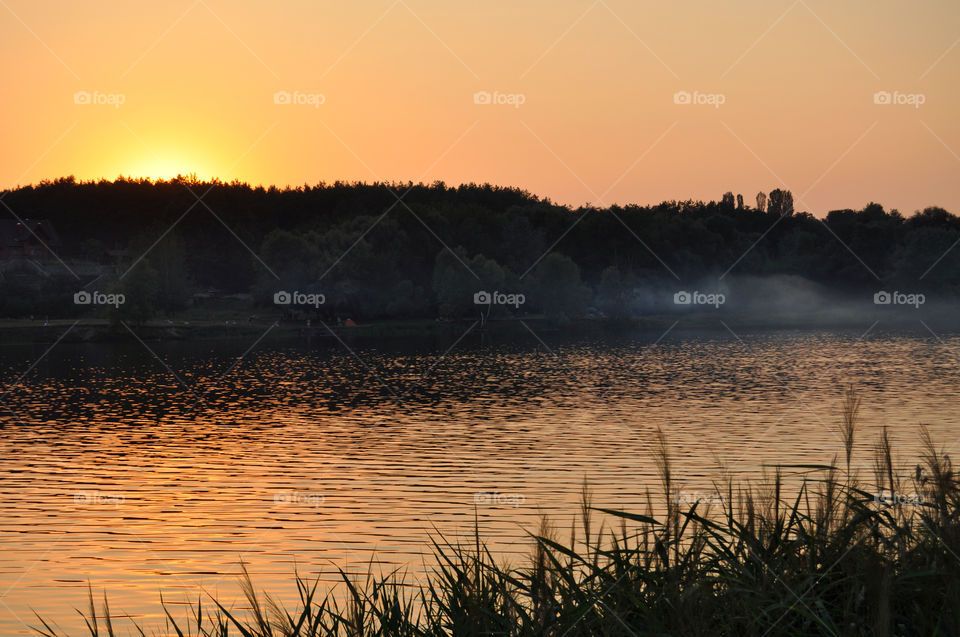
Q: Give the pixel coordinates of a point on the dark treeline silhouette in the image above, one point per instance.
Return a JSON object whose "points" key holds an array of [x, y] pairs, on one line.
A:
{"points": [[373, 256]]}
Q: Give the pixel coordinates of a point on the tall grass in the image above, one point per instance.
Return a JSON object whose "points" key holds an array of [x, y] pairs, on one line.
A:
{"points": [[834, 557]]}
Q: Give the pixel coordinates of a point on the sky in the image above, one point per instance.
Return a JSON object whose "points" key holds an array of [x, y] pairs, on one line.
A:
{"points": [[594, 101]]}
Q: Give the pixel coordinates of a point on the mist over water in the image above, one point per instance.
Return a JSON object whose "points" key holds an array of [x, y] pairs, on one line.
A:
{"points": [[787, 301]]}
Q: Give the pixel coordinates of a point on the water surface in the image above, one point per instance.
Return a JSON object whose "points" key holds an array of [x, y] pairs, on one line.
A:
{"points": [[142, 473]]}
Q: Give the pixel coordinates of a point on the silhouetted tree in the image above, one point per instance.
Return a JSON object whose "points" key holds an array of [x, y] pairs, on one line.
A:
{"points": [[168, 258], [780, 202], [762, 201], [557, 288], [373, 258], [727, 201], [458, 279], [140, 288], [612, 293]]}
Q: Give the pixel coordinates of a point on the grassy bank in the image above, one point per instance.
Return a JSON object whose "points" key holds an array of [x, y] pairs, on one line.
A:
{"points": [[839, 554]]}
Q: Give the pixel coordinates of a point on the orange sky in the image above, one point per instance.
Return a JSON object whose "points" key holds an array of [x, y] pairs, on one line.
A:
{"points": [[588, 90]]}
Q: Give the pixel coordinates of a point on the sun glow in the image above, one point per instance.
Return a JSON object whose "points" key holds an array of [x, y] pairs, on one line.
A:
{"points": [[160, 91], [166, 168]]}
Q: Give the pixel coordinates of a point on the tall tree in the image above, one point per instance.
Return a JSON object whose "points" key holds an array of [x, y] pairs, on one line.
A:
{"points": [[727, 201], [557, 288], [781, 202]]}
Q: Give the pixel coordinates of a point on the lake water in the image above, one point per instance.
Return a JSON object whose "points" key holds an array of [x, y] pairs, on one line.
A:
{"points": [[141, 476]]}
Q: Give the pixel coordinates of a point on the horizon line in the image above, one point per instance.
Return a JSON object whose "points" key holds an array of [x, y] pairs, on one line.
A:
{"points": [[213, 181]]}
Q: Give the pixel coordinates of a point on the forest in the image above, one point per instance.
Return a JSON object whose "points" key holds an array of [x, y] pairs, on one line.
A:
{"points": [[404, 250]]}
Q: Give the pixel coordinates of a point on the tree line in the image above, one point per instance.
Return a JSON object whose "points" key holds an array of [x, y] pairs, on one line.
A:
{"points": [[398, 250]]}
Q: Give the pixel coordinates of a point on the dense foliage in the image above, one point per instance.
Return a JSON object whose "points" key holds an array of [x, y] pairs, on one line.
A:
{"points": [[415, 250]]}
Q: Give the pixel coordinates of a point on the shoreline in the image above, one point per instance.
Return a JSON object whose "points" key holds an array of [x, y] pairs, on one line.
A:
{"points": [[25, 331]]}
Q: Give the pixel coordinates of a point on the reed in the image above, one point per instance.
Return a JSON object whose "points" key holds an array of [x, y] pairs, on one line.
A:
{"points": [[828, 557]]}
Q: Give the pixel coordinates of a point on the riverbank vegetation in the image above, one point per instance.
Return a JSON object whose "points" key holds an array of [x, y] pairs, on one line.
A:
{"points": [[842, 552], [414, 251]]}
